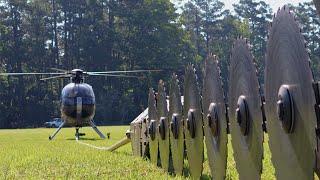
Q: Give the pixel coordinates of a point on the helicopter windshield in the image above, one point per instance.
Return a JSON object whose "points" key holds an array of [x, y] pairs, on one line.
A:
{"points": [[72, 91]]}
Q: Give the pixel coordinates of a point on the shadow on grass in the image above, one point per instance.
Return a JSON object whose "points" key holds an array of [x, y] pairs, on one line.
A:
{"points": [[123, 153], [85, 139], [186, 173], [205, 176]]}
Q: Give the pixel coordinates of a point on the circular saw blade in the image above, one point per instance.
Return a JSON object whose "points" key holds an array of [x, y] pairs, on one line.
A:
{"points": [[135, 139], [176, 125], [216, 143], [193, 134], [163, 127], [287, 64], [248, 147], [144, 137], [153, 118]]}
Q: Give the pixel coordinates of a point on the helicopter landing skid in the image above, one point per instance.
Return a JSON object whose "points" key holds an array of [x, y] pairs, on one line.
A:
{"points": [[94, 127], [56, 132]]}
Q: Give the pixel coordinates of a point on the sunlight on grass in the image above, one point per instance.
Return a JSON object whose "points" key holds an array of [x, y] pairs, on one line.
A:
{"points": [[29, 154]]}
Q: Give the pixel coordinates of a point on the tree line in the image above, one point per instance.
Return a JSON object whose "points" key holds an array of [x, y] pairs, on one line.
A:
{"points": [[102, 35]]}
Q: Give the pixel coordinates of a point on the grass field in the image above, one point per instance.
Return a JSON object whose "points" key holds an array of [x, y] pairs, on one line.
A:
{"points": [[28, 154]]}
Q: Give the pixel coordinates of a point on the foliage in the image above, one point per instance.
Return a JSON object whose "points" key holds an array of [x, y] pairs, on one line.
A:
{"points": [[99, 35], [307, 14], [94, 35], [257, 15]]}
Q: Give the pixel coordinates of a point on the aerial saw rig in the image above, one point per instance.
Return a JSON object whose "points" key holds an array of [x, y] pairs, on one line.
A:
{"points": [[286, 109]]}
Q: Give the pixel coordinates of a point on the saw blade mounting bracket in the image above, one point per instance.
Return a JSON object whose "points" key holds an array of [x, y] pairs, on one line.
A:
{"points": [[152, 129], [213, 119], [285, 109], [191, 123], [175, 126], [162, 128], [242, 115]]}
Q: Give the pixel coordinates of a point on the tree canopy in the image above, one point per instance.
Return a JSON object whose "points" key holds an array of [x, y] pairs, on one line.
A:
{"points": [[99, 35]]}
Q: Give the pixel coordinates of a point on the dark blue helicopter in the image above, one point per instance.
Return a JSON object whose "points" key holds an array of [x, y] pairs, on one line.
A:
{"points": [[78, 102]]}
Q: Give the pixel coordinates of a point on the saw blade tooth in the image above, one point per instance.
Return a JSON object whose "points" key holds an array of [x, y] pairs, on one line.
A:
{"points": [[224, 95], [312, 73], [284, 8], [191, 70], [175, 77], [262, 101]]}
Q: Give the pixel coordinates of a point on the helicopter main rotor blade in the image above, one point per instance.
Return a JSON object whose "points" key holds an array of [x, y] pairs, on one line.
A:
{"points": [[131, 71], [117, 75], [55, 77], [23, 74], [60, 70]]}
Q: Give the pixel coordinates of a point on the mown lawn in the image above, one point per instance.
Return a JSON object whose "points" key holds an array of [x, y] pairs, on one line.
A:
{"points": [[28, 154]]}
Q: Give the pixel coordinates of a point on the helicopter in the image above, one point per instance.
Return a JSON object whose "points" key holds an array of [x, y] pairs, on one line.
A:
{"points": [[78, 103]]}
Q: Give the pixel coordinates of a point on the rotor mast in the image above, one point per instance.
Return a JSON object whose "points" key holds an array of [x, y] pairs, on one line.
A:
{"points": [[77, 77]]}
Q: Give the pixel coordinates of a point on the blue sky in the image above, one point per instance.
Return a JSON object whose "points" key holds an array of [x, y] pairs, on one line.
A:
{"points": [[275, 4]]}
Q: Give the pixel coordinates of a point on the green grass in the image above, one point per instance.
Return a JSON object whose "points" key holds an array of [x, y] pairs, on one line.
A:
{"points": [[28, 154]]}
